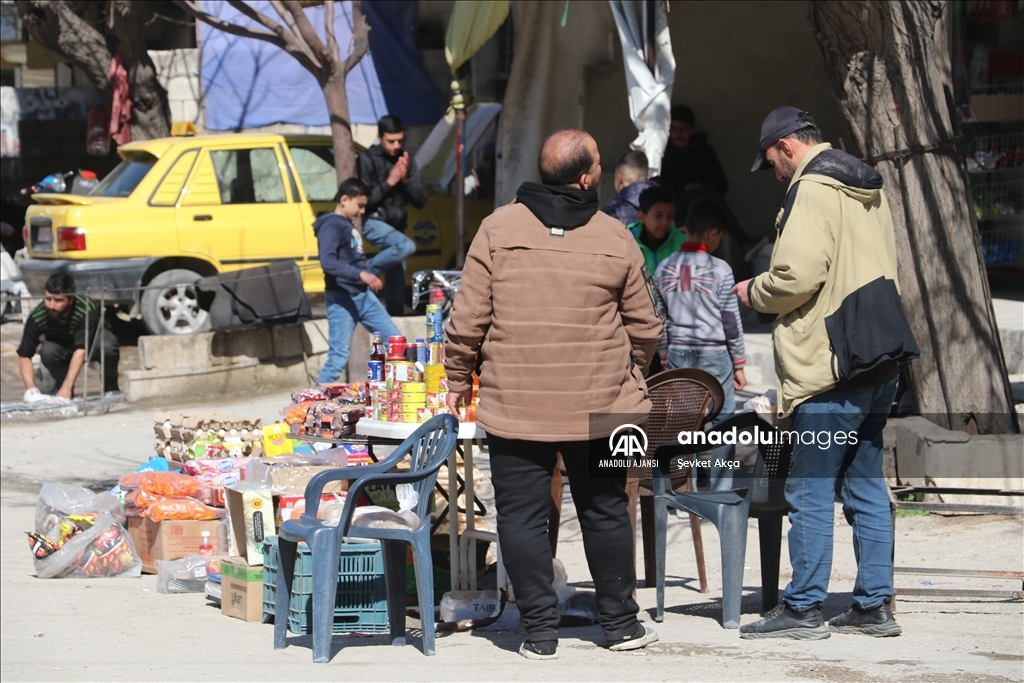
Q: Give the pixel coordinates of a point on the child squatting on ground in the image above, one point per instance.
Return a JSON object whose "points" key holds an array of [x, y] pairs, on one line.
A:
{"points": [[703, 328], [349, 286]]}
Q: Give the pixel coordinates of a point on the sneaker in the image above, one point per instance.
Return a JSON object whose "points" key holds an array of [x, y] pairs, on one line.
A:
{"points": [[644, 636], [877, 622], [540, 649], [782, 622]]}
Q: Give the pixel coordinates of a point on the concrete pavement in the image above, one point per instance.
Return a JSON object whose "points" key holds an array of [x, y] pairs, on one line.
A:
{"points": [[122, 629]]}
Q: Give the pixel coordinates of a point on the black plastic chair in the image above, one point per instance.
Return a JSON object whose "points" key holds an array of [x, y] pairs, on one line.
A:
{"points": [[763, 498], [429, 447]]}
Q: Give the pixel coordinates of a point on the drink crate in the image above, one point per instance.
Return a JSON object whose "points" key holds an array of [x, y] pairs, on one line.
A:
{"points": [[361, 605]]}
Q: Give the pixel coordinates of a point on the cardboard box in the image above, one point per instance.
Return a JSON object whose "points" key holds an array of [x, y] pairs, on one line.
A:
{"points": [[241, 590], [997, 107], [251, 512], [167, 540]]}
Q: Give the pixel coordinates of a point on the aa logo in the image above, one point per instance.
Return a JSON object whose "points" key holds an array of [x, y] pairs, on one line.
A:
{"points": [[628, 441]]}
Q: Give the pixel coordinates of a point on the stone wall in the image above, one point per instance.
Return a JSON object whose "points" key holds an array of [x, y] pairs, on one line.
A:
{"points": [[243, 361]]}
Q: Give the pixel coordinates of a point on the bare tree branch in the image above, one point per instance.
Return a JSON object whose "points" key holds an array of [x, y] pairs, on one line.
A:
{"points": [[360, 36], [307, 31], [193, 8], [332, 41], [286, 17], [283, 39], [291, 37]]}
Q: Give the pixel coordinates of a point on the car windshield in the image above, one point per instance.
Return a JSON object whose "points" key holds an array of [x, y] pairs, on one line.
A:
{"points": [[123, 180], [315, 165]]}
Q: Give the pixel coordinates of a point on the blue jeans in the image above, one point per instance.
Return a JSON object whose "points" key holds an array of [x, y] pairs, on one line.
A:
{"points": [[852, 473], [390, 262], [343, 312], [719, 364]]}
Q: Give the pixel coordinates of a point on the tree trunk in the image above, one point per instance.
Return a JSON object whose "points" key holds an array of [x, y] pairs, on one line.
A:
{"points": [[54, 26], [151, 113], [890, 68], [341, 127], [83, 34]]}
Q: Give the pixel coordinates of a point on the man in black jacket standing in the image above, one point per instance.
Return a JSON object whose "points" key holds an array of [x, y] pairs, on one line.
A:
{"points": [[394, 182], [691, 169]]}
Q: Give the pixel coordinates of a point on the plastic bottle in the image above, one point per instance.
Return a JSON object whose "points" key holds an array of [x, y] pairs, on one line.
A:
{"points": [[377, 350], [205, 547], [97, 137], [84, 182], [436, 295]]}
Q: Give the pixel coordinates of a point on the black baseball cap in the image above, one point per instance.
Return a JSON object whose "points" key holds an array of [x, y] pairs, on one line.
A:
{"points": [[777, 125]]}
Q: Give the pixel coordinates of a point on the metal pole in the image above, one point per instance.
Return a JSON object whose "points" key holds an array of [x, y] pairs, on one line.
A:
{"points": [[459, 105], [103, 344], [85, 377], [460, 194]]}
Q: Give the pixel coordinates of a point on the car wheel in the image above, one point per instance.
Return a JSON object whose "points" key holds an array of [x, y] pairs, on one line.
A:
{"points": [[170, 304]]}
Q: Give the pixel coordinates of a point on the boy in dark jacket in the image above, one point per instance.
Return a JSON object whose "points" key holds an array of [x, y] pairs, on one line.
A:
{"points": [[347, 278], [631, 179]]}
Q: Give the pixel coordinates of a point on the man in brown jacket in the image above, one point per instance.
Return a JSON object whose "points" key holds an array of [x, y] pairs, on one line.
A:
{"points": [[558, 315]]}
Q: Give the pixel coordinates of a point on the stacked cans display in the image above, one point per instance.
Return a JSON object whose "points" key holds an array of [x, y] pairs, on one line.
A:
{"points": [[411, 384]]}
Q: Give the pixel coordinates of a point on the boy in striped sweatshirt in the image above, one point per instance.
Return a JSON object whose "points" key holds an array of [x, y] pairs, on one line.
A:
{"points": [[703, 328]]}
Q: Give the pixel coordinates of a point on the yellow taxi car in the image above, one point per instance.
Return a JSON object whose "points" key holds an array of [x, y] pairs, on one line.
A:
{"points": [[180, 208]]}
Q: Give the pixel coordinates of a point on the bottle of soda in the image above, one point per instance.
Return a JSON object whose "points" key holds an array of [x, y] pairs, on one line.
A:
{"points": [[375, 367], [377, 349]]}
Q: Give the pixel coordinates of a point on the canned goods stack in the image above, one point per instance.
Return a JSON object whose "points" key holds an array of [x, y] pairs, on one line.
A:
{"points": [[435, 323], [410, 385]]}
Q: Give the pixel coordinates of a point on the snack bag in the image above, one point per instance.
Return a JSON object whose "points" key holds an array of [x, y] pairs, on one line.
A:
{"points": [[169, 484], [109, 555], [41, 545], [78, 533], [130, 481], [182, 508]]}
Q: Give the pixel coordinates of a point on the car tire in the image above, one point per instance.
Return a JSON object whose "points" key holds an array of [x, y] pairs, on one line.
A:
{"points": [[170, 304]]}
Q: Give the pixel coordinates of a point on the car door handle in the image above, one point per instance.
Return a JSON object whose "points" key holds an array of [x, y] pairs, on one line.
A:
{"points": [[202, 217]]}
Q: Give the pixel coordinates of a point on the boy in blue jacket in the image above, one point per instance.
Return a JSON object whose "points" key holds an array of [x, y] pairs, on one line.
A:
{"points": [[349, 286]]}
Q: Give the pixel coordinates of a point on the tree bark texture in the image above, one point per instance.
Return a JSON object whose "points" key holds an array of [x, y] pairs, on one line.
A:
{"points": [[890, 68], [341, 129], [87, 34]]}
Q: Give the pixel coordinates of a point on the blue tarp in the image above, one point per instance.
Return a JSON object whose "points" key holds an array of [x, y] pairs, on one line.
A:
{"points": [[408, 91], [249, 83]]}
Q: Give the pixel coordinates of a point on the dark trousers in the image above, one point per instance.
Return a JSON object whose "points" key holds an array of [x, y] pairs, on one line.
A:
{"points": [[57, 359], [521, 473]]}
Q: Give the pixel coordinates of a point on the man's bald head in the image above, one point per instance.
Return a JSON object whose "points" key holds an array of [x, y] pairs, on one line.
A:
{"points": [[570, 157]]}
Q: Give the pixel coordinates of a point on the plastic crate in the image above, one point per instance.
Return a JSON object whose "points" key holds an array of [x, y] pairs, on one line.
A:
{"points": [[361, 605]]}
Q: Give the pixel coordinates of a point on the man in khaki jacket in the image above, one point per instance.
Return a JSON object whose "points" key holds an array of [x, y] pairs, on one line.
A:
{"points": [[840, 336], [557, 314]]}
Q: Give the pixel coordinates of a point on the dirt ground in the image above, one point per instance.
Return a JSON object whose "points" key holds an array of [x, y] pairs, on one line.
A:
{"points": [[122, 629]]}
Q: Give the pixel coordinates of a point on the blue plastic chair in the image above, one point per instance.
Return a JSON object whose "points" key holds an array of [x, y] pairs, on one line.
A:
{"points": [[763, 498], [429, 447]]}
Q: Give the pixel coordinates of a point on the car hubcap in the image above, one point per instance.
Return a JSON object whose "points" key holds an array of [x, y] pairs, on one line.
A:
{"points": [[180, 311]]}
